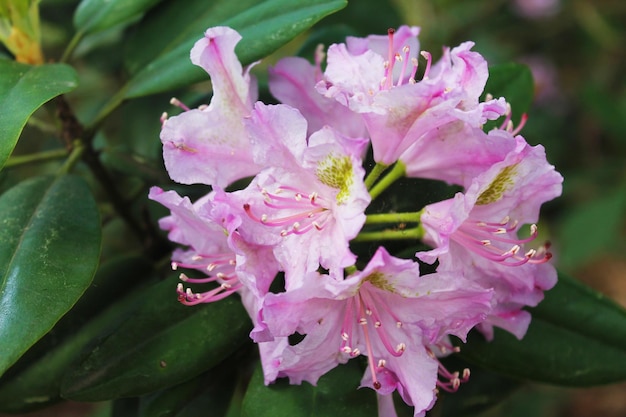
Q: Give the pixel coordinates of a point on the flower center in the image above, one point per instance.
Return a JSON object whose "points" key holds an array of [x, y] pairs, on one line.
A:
{"points": [[371, 313], [496, 242], [297, 212]]}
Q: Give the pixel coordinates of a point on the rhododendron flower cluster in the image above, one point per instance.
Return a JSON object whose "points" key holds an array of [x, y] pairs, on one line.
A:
{"points": [[309, 185]]}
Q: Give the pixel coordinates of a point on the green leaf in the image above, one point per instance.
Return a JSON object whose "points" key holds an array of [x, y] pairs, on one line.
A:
{"points": [[36, 378], [23, 89], [211, 390], [49, 249], [336, 394], [515, 83], [577, 338], [265, 27], [96, 15], [581, 242], [163, 343], [484, 390]]}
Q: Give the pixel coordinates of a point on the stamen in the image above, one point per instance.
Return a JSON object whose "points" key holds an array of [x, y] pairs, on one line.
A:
{"points": [[320, 55], [306, 211], [486, 239], [429, 59], [415, 64], [521, 124], [176, 102], [391, 60], [450, 381]]}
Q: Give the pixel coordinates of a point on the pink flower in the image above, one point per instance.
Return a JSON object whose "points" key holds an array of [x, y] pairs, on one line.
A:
{"points": [[293, 81], [388, 292], [216, 249], [310, 202], [456, 152], [477, 231], [209, 145], [386, 312], [379, 82]]}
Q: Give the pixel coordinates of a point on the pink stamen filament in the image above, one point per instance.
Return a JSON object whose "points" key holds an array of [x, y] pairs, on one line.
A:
{"points": [[451, 380], [368, 299], [391, 60], [310, 209], [176, 102], [429, 60], [319, 58], [405, 62], [521, 124], [362, 308], [368, 344], [479, 238], [189, 298]]}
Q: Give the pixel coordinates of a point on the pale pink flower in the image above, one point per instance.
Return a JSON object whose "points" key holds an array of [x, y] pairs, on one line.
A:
{"points": [[293, 80], [215, 248], [386, 312], [478, 231], [380, 83], [310, 203], [209, 145]]}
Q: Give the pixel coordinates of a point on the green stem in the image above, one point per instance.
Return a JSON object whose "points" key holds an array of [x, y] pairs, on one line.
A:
{"points": [[71, 46], [77, 153], [42, 125], [413, 217], [374, 174], [414, 233], [111, 105], [396, 172], [36, 157]]}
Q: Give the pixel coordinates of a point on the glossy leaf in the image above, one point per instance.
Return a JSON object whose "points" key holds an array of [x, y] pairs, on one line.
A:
{"points": [[336, 394], [577, 338], [49, 250], [163, 343], [212, 390], [265, 27], [23, 89], [95, 15], [36, 378]]}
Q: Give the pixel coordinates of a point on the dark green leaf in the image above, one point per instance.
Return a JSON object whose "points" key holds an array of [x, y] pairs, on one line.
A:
{"points": [[163, 343], [36, 378], [49, 248], [606, 214], [484, 390], [95, 15], [212, 390], [265, 27], [515, 83], [23, 89], [577, 338], [336, 394]]}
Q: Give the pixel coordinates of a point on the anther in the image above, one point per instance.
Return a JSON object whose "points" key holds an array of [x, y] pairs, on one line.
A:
{"points": [[176, 102], [429, 59]]}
